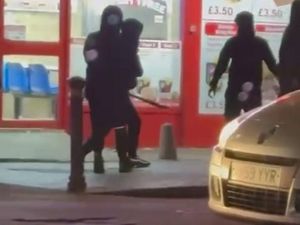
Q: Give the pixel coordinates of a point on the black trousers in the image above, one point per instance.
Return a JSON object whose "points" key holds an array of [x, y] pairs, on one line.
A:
{"points": [[101, 127], [233, 105]]}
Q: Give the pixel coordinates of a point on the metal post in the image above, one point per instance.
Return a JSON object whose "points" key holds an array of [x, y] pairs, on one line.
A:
{"points": [[76, 179], [167, 142]]}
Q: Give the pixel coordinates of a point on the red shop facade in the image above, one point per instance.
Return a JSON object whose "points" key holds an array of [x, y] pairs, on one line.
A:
{"points": [[45, 38]]}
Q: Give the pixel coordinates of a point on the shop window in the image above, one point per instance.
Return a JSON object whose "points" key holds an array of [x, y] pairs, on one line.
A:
{"points": [[160, 45], [30, 87], [28, 20]]}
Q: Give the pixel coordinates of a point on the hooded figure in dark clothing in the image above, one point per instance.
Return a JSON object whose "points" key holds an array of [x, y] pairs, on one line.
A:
{"points": [[289, 53], [131, 68], [246, 52], [101, 53]]}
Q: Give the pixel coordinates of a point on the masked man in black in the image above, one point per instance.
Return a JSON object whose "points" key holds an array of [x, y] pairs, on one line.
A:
{"points": [[103, 91], [131, 69], [246, 52], [289, 53]]}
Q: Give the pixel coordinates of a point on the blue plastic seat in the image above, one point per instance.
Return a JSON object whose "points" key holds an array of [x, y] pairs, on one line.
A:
{"points": [[39, 81], [16, 78], [4, 78]]}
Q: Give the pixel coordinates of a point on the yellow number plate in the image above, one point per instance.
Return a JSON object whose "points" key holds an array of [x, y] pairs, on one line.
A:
{"points": [[256, 174]]}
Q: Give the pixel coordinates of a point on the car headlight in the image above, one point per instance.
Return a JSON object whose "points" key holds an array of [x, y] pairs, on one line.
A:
{"points": [[227, 131]]}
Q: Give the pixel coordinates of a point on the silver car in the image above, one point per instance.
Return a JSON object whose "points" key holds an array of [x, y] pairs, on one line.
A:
{"points": [[254, 170]]}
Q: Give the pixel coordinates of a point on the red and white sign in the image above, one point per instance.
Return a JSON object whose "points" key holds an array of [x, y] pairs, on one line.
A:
{"points": [[170, 45], [270, 28], [220, 29], [143, 43]]}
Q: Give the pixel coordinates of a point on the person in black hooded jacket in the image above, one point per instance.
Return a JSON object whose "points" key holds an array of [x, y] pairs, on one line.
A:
{"points": [[131, 68], [289, 53], [103, 91], [246, 52]]}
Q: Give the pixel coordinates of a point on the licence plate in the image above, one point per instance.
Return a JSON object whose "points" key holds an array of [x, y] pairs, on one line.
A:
{"points": [[256, 174]]}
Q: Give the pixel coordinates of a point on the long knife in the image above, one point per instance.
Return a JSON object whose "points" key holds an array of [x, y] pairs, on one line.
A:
{"points": [[149, 101]]}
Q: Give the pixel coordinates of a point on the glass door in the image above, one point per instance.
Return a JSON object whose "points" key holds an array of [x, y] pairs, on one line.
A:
{"points": [[33, 53]]}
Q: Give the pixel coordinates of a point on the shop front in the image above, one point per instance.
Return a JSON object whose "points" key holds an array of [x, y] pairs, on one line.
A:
{"points": [[41, 43]]}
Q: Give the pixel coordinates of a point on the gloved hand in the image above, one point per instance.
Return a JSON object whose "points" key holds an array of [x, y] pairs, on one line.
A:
{"points": [[212, 89]]}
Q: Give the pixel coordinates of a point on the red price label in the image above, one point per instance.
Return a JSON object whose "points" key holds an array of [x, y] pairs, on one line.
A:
{"points": [[217, 10], [270, 13]]}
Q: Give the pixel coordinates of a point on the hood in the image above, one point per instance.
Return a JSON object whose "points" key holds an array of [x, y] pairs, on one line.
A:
{"points": [[111, 20], [272, 130], [295, 15], [131, 31], [244, 21]]}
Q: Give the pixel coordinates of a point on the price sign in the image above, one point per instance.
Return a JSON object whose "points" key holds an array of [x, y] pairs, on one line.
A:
{"points": [[224, 10], [268, 12], [217, 10]]}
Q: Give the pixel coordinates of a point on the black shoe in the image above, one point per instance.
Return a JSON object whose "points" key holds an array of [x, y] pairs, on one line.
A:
{"points": [[125, 166], [140, 163], [98, 163]]}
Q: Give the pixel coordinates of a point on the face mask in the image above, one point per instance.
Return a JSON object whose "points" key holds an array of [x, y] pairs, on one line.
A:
{"points": [[113, 19]]}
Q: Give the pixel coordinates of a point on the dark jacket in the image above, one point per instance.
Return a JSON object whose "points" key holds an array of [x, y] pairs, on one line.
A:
{"points": [[102, 85], [130, 61], [289, 53], [246, 52]]}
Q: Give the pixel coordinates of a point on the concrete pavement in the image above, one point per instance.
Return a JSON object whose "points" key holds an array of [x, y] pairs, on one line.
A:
{"points": [[183, 177], [35, 192]]}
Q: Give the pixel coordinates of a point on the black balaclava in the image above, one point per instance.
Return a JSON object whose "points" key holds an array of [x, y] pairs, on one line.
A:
{"points": [[111, 20], [131, 31], [245, 23]]}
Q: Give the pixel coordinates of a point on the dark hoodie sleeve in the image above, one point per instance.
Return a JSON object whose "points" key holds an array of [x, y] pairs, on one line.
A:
{"points": [[222, 64], [283, 52], [269, 58], [138, 66]]}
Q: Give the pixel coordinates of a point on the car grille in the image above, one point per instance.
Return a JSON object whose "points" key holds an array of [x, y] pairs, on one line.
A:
{"points": [[255, 199]]}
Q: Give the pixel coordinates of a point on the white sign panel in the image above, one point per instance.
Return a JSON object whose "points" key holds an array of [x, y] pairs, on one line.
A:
{"points": [[223, 9], [271, 18]]}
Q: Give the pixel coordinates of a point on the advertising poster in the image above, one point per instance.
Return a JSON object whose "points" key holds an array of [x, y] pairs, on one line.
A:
{"points": [[271, 18]]}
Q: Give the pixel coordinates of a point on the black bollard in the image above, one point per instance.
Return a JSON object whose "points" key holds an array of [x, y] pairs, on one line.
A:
{"points": [[77, 182]]}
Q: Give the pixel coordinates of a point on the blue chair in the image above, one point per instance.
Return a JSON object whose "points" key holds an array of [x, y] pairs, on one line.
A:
{"points": [[40, 84], [39, 81], [16, 82], [16, 78], [4, 78]]}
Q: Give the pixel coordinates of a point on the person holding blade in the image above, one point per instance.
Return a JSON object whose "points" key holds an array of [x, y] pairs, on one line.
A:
{"points": [[247, 52]]}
